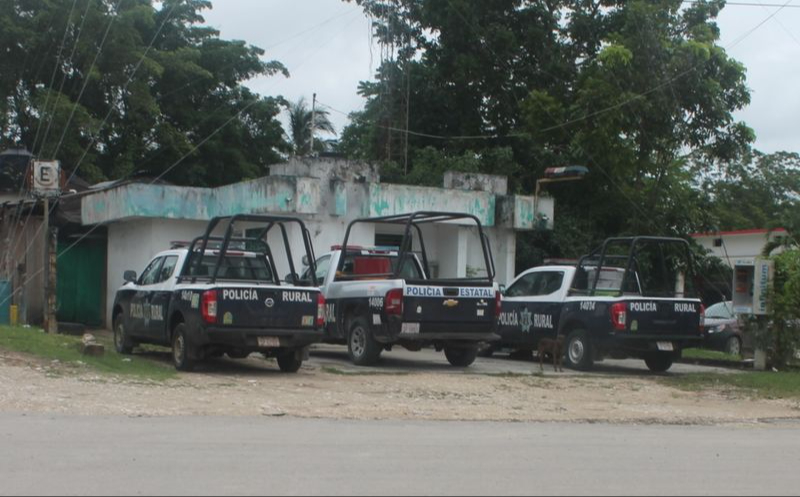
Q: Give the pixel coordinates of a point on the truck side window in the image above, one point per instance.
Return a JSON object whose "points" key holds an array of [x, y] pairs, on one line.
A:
{"points": [[168, 268], [323, 264], [150, 274], [537, 284]]}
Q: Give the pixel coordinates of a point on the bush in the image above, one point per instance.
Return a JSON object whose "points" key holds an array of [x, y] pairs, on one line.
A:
{"points": [[781, 337]]}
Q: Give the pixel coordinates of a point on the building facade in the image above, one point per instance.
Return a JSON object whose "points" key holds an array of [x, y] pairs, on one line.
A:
{"points": [[122, 226]]}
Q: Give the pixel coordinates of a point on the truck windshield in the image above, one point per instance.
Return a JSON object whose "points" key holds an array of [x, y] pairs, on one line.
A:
{"points": [[235, 268]]}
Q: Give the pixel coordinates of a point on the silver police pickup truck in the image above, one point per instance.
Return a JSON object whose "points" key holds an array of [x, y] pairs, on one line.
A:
{"points": [[377, 298]]}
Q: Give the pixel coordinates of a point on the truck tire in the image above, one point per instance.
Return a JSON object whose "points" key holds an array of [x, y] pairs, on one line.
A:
{"points": [[362, 347], [579, 351], [460, 357], [290, 361], [181, 351], [659, 362], [122, 342]]}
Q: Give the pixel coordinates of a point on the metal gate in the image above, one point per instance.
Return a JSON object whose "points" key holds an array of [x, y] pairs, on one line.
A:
{"points": [[5, 301]]}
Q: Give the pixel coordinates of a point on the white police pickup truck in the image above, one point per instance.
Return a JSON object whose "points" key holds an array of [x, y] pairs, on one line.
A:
{"points": [[222, 295], [381, 297], [626, 299]]}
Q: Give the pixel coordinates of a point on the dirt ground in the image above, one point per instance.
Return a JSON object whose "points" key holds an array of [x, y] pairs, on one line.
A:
{"points": [[255, 387]]}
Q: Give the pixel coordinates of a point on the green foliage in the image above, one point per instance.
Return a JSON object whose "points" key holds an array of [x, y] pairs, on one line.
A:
{"points": [[784, 331], [623, 87], [66, 350], [82, 83], [758, 191], [300, 119], [763, 385]]}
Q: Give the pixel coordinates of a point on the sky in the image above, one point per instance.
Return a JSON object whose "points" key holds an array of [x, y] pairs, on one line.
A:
{"points": [[327, 47]]}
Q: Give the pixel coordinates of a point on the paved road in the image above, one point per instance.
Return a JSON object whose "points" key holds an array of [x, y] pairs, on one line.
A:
{"points": [[428, 360], [201, 456]]}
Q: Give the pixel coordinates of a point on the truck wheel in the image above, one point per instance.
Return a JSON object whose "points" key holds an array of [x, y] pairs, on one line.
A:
{"points": [[122, 343], [181, 354], [460, 357], [290, 361], [362, 347], [579, 351], [733, 346], [659, 362]]}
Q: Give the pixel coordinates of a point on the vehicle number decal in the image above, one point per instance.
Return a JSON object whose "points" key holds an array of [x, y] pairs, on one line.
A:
{"points": [[588, 306], [376, 302]]}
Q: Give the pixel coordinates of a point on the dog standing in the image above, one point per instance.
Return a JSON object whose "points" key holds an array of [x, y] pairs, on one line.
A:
{"points": [[554, 347]]}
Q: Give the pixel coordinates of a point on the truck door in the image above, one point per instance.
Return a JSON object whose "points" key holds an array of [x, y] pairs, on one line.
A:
{"points": [[532, 308], [158, 299], [139, 314]]}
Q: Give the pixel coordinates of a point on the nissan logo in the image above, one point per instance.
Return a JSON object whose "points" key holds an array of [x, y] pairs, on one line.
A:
{"points": [[270, 303]]}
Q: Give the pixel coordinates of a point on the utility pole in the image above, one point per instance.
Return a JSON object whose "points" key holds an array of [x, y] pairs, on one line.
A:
{"points": [[50, 275], [46, 183], [313, 122]]}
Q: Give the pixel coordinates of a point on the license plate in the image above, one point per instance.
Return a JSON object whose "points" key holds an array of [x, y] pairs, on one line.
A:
{"points": [[410, 329], [308, 321], [666, 347], [269, 342]]}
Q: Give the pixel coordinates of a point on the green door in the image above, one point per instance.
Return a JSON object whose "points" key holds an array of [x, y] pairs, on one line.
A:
{"points": [[81, 274]]}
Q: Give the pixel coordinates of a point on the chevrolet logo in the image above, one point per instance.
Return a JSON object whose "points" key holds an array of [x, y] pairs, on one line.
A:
{"points": [[451, 303]]}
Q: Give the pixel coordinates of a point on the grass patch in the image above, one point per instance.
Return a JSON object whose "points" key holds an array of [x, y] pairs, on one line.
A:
{"points": [[764, 385], [339, 372], [65, 349], [712, 355]]}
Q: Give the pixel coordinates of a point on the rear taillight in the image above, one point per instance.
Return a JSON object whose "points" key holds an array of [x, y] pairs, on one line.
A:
{"points": [[702, 318], [619, 316], [393, 305], [209, 306], [320, 311], [498, 304]]}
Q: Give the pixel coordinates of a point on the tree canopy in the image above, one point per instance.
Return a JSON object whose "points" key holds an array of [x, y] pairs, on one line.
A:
{"points": [[113, 88], [631, 89]]}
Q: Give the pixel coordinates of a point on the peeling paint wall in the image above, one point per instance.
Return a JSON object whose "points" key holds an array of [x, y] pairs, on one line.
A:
{"points": [[327, 195], [388, 200]]}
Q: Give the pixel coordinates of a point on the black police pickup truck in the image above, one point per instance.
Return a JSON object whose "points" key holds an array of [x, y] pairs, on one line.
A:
{"points": [[626, 299], [381, 297], [222, 295]]}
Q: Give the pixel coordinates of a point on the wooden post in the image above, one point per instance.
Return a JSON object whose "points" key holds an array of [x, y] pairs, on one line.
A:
{"points": [[49, 302]]}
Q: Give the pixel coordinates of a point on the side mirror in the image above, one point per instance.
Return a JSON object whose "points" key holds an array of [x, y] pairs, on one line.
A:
{"points": [[129, 276], [291, 279], [306, 261], [503, 289]]}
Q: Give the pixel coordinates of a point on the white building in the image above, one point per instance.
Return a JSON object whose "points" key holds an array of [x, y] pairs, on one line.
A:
{"points": [[143, 219], [732, 245]]}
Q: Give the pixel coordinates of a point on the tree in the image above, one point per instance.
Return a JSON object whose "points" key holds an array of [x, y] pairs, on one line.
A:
{"points": [[624, 87], [117, 88], [759, 191], [301, 129]]}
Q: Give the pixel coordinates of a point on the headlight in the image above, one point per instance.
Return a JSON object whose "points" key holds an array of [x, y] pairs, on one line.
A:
{"points": [[717, 329]]}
